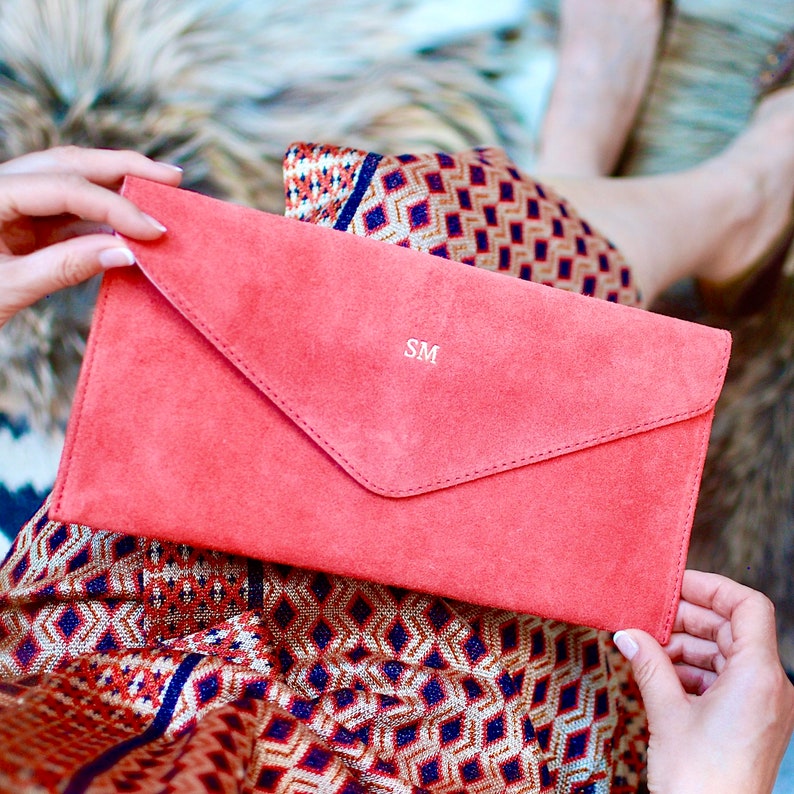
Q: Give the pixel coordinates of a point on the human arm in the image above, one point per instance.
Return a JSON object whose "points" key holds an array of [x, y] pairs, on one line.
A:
{"points": [[58, 209], [720, 707]]}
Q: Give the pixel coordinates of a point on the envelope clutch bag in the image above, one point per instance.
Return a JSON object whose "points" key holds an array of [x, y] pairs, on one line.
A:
{"points": [[279, 390]]}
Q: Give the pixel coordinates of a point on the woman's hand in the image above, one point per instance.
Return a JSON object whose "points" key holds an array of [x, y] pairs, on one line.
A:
{"points": [[720, 707], [58, 209]]}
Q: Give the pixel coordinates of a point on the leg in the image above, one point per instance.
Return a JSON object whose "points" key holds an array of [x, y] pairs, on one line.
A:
{"points": [[710, 222], [607, 50]]}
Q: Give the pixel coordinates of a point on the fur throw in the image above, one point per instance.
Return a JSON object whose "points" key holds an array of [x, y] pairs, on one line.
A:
{"points": [[220, 87], [744, 526]]}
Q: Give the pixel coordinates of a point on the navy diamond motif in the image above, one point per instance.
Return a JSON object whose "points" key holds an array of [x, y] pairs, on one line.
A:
{"points": [[476, 175], [397, 636], [569, 697], [208, 688], [375, 218], [473, 689], [511, 770], [439, 615], [123, 546], [433, 693], [509, 633], [435, 660], [322, 634], [269, 778], [541, 688], [538, 640], [471, 771], [533, 209], [279, 729], [577, 745], [316, 759], [357, 654], [434, 182], [495, 729], [344, 698], [26, 651], [360, 611], [318, 677], [68, 622], [590, 655], [475, 648], [601, 703], [450, 731], [321, 587], [393, 670], [107, 643], [56, 540], [393, 180], [419, 215], [454, 227], [19, 569], [283, 613], [430, 772], [406, 735]]}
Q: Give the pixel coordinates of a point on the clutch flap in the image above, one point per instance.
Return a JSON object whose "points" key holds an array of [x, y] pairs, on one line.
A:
{"points": [[421, 373]]}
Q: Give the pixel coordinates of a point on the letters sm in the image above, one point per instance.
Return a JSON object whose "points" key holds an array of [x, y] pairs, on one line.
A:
{"points": [[421, 350]]}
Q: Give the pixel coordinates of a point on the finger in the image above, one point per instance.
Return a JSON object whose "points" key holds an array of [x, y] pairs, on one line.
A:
{"points": [[102, 166], [695, 651], [693, 679], [26, 279], [41, 195], [654, 673], [698, 621], [751, 614]]}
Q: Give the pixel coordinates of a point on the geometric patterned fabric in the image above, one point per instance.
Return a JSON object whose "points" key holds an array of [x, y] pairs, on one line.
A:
{"points": [[474, 207], [131, 664]]}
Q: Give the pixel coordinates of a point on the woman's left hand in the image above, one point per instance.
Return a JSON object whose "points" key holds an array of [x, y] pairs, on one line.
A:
{"points": [[58, 211]]}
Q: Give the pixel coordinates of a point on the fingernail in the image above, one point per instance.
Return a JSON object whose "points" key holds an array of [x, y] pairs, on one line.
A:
{"points": [[116, 257], [626, 645], [157, 225], [177, 168]]}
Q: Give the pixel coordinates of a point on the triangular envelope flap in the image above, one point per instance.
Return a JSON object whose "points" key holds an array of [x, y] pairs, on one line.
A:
{"points": [[412, 372]]}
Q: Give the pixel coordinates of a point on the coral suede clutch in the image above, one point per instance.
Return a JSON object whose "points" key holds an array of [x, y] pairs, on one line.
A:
{"points": [[279, 390]]}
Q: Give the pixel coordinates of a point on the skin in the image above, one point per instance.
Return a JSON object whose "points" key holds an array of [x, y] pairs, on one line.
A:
{"points": [[607, 51], [720, 707], [58, 209]]}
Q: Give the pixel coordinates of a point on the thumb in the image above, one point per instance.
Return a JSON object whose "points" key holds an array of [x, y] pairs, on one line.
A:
{"points": [[26, 279], [654, 673]]}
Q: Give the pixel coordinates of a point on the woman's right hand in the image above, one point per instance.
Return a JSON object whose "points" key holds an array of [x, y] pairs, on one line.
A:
{"points": [[720, 707], [58, 211]]}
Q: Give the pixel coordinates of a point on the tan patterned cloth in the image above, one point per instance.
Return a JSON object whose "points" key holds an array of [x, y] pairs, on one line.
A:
{"points": [[136, 665]]}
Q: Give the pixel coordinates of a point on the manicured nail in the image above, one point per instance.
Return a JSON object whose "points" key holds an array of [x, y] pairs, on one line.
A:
{"points": [[157, 225], [626, 645], [116, 257]]}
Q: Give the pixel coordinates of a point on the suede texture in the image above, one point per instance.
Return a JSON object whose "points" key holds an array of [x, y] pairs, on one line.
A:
{"points": [[252, 388]]}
